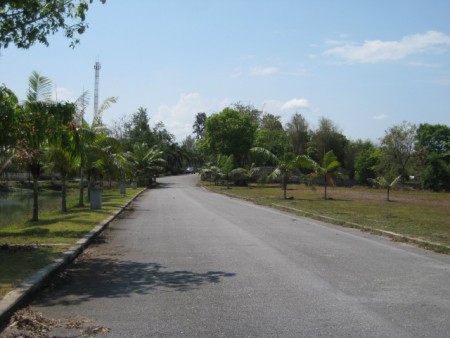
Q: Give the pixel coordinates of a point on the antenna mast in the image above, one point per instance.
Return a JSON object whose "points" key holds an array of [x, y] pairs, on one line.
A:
{"points": [[97, 76]]}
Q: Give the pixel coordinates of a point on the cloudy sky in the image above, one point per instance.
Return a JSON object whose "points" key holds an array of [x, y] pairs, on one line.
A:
{"points": [[366, 65]]}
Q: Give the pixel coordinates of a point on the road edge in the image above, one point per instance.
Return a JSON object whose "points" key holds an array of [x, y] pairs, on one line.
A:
{"points": [[422, 243], [18, 297]]}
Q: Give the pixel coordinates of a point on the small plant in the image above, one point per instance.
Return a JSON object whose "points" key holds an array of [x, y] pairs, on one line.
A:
{"points": [[384, 183]]}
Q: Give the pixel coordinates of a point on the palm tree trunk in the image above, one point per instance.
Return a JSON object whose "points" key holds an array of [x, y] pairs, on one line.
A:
{"points": [[81, 198], [63, 195], [89, 186], [325, 193], [35, 217]]}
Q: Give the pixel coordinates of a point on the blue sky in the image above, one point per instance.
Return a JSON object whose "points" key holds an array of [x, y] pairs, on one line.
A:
{"points": [[366, 65]]}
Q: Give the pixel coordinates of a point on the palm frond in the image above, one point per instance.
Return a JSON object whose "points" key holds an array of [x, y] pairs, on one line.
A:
{"points": [[266, 153], [306, 162], [97, 121], [395, 181], [39, 88], [81, 104]]}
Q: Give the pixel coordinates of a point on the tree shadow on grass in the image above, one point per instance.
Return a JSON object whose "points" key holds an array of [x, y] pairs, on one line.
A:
{"points": [[41, 235], [109, 278]]}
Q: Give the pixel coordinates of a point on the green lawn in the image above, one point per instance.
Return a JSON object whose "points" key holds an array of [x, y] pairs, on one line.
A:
{"points": [[419, 214], [28, 246]]}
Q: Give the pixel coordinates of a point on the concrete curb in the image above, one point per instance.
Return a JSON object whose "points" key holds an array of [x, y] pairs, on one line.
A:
{"points": [[394, 236], [17, 298]]}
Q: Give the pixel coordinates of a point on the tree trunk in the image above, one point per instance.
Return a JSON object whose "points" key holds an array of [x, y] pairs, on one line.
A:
{"points": [[284, 185], [387, 197], [35, 217], [325, 197], [81, 199], [89, 186], [63, 195]]}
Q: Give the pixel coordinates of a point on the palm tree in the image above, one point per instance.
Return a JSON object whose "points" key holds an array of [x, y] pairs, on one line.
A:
{"points": [[145, 162], [327, 170], [282, 167], [112, 161], [90, 135], [384, 183], [226, 164], [65, 162], [6, 157], [211, 171], [41, 123]]}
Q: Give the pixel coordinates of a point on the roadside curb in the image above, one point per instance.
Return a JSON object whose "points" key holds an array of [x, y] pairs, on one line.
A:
{"points": [[18, 297], [392, 235]]}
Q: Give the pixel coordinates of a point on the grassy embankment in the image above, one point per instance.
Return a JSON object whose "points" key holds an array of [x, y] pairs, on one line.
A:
{"points": [[28, 246], [415, 214]]}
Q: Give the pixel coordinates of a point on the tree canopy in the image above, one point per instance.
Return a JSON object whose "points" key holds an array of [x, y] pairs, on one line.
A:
{"points": [[229, 133], [398, 148], [25, 22]]}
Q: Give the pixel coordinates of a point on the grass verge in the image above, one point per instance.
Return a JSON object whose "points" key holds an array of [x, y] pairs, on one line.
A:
{"points": [[418, 215], [25, 247]]}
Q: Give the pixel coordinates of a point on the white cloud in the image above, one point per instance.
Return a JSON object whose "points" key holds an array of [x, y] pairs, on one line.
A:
{"points": [[264, 71], [295, 104], [290, 105], [372, 51], [380, 117], [179, 118]]}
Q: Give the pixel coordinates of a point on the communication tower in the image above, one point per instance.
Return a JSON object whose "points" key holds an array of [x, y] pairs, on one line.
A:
{"points": [[97, 76]]}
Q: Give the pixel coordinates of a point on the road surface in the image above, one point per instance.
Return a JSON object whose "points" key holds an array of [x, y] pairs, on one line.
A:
{"points": [[189, 263]]}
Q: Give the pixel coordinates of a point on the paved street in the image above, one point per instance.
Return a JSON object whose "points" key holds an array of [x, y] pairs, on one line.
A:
{"points": [[189, 263]]}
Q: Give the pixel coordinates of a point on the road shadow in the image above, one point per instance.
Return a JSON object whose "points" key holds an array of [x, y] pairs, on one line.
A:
{"points": [[163, 185], [109, 278]]}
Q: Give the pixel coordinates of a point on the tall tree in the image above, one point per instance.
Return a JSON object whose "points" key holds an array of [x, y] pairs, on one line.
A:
{"points": [[24, 22], [433, 147], [249, 110], [298, 133], [229, 133], [199, 125], [397, 147], [353, 151], [365, 163], [189, 146], [271, 135], [138, 129], [434, 138], [325, 138], [9, 110]]}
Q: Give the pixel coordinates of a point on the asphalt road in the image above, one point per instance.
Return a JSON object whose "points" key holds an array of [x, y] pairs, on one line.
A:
{"points": [[189, 263]]}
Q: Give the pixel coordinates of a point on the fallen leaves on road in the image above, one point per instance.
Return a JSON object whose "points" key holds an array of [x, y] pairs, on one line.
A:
{"points": [[26, 323]]}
